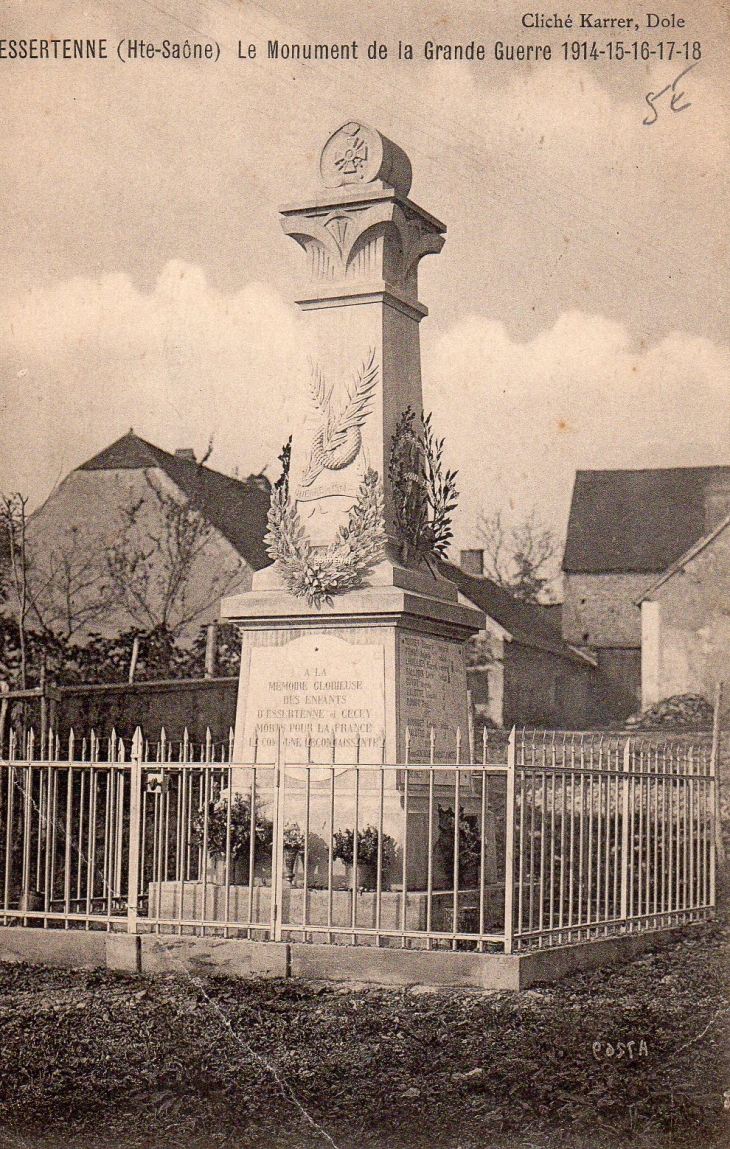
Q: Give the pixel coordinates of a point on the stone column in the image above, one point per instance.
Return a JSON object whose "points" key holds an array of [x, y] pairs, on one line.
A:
{"points": [[364, 240], [388, 656]]}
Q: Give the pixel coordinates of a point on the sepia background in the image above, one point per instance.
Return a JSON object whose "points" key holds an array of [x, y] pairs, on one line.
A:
{"points": [[578, 313]]}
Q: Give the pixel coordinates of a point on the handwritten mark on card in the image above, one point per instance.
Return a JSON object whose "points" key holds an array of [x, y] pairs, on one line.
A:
{"points": [[675, 100]]}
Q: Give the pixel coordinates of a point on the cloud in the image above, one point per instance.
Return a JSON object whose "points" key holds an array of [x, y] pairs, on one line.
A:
{"points": [[86, 358], [578, 395]]}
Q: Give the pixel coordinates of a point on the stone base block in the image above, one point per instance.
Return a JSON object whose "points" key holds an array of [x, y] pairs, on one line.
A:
{"points": [[75, 949], [203, 956]]}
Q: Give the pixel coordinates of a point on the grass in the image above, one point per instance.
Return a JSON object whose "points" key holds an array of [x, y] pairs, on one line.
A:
{"points": [[95, 1059]]}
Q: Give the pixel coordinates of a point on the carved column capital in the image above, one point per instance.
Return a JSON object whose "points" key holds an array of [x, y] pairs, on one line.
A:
{"points": [[358, 245]]}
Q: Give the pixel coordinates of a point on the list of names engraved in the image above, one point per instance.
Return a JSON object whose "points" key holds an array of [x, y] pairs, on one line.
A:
{"points": [[433, 692]]}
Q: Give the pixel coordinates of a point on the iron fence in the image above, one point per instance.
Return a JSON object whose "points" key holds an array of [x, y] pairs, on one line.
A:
{"points": [[549, 839]]}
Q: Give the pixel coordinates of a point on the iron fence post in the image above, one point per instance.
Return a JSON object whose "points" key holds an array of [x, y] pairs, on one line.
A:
{"points": [[717, 846], [277, 848], [625, 815], [509, 846], [135, 821]]}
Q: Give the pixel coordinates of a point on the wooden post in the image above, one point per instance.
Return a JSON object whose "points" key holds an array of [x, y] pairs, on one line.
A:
{"points": [[211, 635], [133, 660], [4, 689]]}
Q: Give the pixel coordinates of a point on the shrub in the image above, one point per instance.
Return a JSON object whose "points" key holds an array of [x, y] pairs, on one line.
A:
{"points": [[367, 846], [240, 828]]}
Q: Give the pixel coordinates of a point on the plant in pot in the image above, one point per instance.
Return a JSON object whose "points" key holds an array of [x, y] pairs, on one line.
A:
{"points": [[293, 847], [343, 847], [470, 845], [240, 836]]}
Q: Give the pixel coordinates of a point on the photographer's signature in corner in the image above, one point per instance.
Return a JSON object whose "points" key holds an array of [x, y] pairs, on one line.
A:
{"points": [[674, 103]]}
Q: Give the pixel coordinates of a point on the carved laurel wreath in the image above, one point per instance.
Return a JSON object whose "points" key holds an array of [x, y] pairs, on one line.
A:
{"points": [[316, 574]]}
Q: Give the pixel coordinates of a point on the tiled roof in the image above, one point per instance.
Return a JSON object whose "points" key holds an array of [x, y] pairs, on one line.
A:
{"points": [[639, 521], [528, 623], [235, 507]]}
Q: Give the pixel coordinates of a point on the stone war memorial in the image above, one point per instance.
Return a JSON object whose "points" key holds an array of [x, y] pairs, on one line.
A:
{"points": [[350, 828], [348, 673], [353, 648]]}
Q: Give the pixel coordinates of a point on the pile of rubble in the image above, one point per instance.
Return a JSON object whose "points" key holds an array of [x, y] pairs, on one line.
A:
{"points": [[680, 712]]}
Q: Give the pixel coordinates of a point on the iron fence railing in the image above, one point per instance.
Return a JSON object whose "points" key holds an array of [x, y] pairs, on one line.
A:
{"points": [[549, 839]]}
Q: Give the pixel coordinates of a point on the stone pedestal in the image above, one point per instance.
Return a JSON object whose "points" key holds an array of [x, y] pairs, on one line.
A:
{"points": [[356, 674], [344, 681]]}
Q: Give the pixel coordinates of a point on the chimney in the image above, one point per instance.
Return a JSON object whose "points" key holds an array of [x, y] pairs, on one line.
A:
{"points": [[185, 453], [717, 499], [472, 562]]}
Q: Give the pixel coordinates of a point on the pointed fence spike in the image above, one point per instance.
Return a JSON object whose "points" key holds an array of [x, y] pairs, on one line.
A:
{"points": [[71, 744], [458, 745], [30, 748], [408, 744], [137, 744]]}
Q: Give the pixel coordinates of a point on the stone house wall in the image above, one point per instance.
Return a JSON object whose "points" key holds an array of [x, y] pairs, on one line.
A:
{"points": [[599, 610], [686, 648]]}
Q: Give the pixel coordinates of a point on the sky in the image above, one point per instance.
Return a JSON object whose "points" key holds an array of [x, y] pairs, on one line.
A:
{"points": [[579, 309]]}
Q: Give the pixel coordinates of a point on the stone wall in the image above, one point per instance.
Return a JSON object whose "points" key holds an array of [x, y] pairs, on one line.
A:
{"points": [[694, 627], [195, 704], [600, 609]]}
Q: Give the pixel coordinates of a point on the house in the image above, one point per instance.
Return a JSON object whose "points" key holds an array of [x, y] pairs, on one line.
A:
{"points": [[139, 537], [520, 670], [626, 528], [685, 622]]}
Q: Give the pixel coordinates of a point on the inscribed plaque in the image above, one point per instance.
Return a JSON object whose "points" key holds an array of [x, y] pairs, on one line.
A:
{"points": [[321, 692]]}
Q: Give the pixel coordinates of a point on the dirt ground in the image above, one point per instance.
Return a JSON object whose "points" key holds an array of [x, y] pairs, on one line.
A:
{"points": [[637, 1055]]}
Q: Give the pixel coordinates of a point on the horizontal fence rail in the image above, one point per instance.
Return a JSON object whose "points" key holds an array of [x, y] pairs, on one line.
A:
{"points": [[550, 839]]}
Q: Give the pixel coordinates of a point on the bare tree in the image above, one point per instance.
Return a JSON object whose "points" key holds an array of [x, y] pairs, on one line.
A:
{"points": [[70, 588], [161, 569], [522, 557], [16, 591]]}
